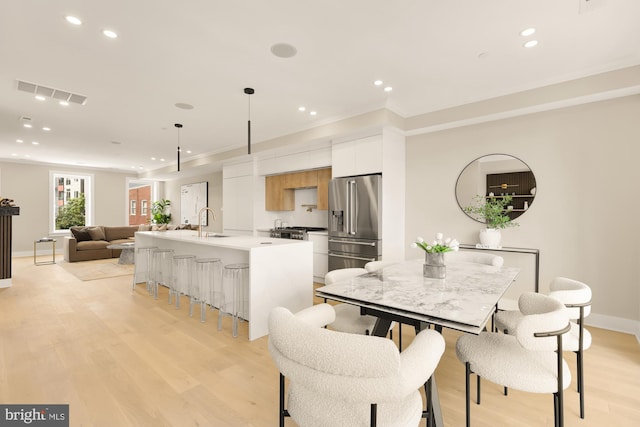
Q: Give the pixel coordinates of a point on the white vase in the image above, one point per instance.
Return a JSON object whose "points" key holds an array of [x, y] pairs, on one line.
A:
{"points": [[490, 237]]}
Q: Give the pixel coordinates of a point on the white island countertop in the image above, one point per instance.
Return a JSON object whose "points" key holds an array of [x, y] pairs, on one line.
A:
{"points": [[221, 240], [280, 270]]}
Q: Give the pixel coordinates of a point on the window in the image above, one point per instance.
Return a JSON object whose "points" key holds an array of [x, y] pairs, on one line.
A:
{"points": [[143, 206], [67, 211], [132, 208]]}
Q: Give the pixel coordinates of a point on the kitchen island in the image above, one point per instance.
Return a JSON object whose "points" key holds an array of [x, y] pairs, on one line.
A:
{"points": [[280, 270]]}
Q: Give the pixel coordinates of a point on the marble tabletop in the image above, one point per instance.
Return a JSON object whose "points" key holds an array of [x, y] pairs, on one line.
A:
{"points": [[466, 298]]}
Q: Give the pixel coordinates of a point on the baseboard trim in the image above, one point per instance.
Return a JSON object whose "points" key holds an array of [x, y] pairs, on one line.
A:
{"points": [[614, 324]]}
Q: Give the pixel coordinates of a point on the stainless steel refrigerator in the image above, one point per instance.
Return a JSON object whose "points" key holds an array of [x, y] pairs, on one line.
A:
{"points": [[355, 227]]}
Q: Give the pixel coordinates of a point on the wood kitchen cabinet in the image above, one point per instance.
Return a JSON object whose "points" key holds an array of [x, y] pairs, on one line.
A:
{"points": [[277, 197], [280, 189], [324, 176], [304, 179]]}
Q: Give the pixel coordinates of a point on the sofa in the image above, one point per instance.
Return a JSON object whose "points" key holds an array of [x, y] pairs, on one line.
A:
{"points": [[89, 243]]}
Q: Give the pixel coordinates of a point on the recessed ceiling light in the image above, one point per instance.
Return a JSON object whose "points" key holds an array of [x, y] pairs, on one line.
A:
{"points": [[19, 141], [388, 89], [109, 33], [27, 125], [527, 32], [27, 156], [14, 154], [40, 97], [188, 151], [46, 128], [377, 82], [63, 103], [312, 113], [531, 43], [284, 50], [35, 143], [73, 20], [302, 108], [153, 158], [162, 160], [184, 106]]}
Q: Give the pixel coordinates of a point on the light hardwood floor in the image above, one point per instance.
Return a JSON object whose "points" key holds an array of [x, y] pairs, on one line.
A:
{"points": [[120, 358]]}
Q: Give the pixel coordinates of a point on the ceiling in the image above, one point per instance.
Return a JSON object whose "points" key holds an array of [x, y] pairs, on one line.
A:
{"points": [[434, 54]]}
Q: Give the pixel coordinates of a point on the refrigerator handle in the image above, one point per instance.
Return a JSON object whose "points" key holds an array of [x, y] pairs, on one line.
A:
{"points": [[353, 208], [353, 242]]}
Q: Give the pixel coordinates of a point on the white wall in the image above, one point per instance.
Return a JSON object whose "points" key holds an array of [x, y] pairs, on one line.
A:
{"points": [[585, 216], [172, 192], [28, 185]]}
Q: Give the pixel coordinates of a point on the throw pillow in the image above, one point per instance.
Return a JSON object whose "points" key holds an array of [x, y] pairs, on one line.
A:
{"points": [[81, 234], [97, 233], [144, 227]]}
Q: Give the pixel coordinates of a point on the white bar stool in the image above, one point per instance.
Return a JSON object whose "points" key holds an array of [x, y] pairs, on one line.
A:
{"points": [[234, 282], [183, 266], [161, 269], [142, 265], [207, 286]]}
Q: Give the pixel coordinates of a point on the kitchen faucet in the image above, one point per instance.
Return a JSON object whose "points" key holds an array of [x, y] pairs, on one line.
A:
{"points": [[205, 209]]}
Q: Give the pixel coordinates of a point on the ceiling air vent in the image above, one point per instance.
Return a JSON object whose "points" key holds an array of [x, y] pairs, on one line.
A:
{"points": [[61, 95]]}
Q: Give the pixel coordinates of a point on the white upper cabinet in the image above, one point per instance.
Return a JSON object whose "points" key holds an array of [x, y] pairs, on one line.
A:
{"points": [[283, 163], [358, 157]]}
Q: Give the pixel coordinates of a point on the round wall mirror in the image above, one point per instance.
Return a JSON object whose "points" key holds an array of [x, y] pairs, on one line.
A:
{"points": [[497, 175]]}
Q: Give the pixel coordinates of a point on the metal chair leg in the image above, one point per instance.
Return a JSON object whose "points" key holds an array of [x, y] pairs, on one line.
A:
{"points": [[374, 411], [467, 393]]}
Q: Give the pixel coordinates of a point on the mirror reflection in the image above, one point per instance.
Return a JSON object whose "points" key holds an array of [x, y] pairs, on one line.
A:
{"points": [[497, 175]]}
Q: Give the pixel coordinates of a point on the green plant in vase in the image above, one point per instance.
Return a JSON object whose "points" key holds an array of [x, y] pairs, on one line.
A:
{"points": [[158, 212], [493, 211]]}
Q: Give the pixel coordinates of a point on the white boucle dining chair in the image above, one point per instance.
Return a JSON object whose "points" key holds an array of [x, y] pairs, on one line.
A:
{"points": [[348, 317], [530, 360], [348, 380], [475, 257], [576, 296], [373, 266]]}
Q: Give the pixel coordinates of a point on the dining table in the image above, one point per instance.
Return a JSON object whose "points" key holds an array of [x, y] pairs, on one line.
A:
{"points": [[464, 300]]}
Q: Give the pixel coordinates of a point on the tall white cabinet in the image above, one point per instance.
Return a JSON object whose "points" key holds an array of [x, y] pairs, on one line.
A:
{"points": [[238, 189]]}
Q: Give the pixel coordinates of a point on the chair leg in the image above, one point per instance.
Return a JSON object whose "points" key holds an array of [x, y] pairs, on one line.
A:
{"points": [[283, 412], [580, 381], [428, 387], [556, 420], [374, 413], [467, 393], [400, 336], [478, 382]]}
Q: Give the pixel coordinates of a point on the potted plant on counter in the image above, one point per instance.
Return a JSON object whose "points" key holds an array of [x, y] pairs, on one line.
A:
{"points": [[492, 210], [158, 212]]}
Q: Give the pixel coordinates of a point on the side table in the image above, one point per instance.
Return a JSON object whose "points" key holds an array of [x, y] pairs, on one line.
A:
{"points": [[45, 240], [127, 255]]}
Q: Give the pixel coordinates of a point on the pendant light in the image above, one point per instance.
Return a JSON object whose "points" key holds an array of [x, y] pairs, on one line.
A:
{"points": [[249, 91], [179, 126]]}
